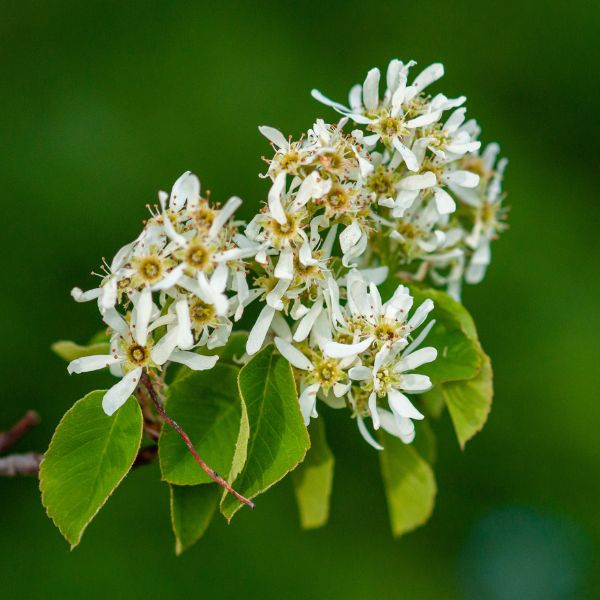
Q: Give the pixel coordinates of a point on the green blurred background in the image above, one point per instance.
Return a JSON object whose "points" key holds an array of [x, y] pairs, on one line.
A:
{"points": [[103, 103]]}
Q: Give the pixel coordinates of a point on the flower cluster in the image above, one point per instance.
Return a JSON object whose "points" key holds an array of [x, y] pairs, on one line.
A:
{"points": [[178, 286], [408, 192], [436, 192]]}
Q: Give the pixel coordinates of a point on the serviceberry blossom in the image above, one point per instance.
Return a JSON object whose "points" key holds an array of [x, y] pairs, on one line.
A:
{"points": [[398, 187]]}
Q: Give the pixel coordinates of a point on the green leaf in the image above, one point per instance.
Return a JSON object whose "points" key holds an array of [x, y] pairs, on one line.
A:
{"points": [[409, 484], [234, 349], [208, 407], [469, 402], [192, 509], [454, 335], [69, 351], [313, 479], [425, 443], [89, 455], [100, 337], [230, 353], [278, 438], [434, 401]]}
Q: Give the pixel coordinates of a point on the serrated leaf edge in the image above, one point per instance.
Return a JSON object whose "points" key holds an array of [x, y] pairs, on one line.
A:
{"points": [[41, 479]]}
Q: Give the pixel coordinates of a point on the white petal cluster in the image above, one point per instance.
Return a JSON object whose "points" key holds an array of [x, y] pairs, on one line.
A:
{"points": [[362, 352], [400, 185], [178, 287], [438, 196]]}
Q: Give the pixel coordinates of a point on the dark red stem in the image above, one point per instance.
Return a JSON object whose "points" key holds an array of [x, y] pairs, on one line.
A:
{"points": [[18, 430], [184, 436]]}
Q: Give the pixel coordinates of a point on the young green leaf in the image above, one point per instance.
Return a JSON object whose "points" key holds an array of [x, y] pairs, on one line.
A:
{"points": [[89, 455], [425, 443], [69, 351], [434, 401], [409, 484], [313, 479], [99, 337], [278, 437], [469, 402], [192, 509], [208, 406], [454, 335], [234, 349]]}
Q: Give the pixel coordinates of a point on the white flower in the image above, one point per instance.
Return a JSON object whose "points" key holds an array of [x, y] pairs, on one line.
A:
{"points": [[487, 202], [394, 118], [132, 351], [390, 376], [375, 323], [322, 374], [303, 294]]}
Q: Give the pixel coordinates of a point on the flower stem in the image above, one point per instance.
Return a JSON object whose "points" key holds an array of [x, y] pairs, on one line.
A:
{"points": [[18, 430], [145, 379]]}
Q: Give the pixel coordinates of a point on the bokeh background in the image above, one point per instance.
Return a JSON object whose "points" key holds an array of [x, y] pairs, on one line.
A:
{"points": [[103, 103]]}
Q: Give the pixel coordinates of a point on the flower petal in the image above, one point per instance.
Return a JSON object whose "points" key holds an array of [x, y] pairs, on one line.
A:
{"points": [[85, 364], [337, 350], [366, 434], [402, 406], [143, 310], [370, 91], [223, 215], [274, 199], [418, 182], [118, 394], [412, 382], [196, 362], [259, 330], [285, 265], [417, 358], [443, 201], [360, 373], [308, 320], [275, 136], [293, 355], [308, 401]]}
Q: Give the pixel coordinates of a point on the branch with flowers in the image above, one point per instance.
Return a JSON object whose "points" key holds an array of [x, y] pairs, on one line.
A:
{"points": [[348, 282]]}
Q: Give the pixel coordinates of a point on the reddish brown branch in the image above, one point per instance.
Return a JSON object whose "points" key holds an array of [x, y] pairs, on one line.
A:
{"points": [[18, 430], [184, 436]]}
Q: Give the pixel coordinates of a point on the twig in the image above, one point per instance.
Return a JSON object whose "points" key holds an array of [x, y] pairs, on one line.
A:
{"points": [[29, 463], [18, 430], [20, 464], [145, 379]]}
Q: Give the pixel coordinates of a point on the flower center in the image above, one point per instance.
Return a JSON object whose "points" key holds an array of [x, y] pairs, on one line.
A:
{"points": [[137, 354], [150, 268], [331, 160], [388, 127], [197, 256], [408, 231], [327, 373], [383, 382], [382, 183], [284, 231], [337, 198], [204, 217], [201, 313], [289, 159], [386, 331]]}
